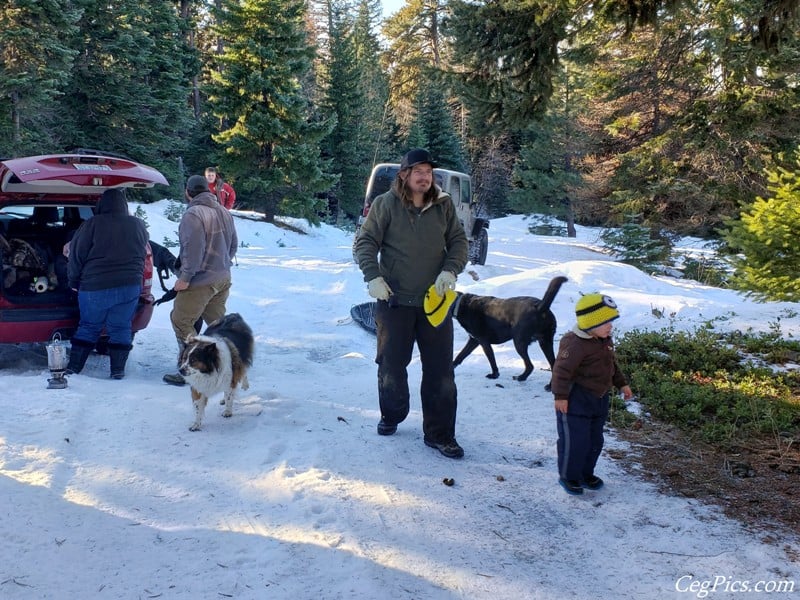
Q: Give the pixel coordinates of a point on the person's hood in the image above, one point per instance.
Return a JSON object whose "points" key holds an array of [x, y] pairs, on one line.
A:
{"points": [[113, 202], [581, 333], [206, 198]]}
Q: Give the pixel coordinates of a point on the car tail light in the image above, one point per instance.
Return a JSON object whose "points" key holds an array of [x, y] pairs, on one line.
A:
{"points": [[147, 279]]}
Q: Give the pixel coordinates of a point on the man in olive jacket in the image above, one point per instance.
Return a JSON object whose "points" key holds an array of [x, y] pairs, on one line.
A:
{"points": [[415, 231]]}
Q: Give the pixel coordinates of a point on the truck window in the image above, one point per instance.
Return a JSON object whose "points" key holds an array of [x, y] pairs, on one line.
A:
{"points": [[466, 192], [455, 189]]}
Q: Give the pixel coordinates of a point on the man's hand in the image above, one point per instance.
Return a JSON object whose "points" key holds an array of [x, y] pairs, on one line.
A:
{"points": [[180, 285], [445, 281], [562, 406], [379, 289]]}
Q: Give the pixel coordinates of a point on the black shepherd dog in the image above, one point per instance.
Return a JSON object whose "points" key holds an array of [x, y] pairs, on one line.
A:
{"points": [[164, 264], [489, 320]]}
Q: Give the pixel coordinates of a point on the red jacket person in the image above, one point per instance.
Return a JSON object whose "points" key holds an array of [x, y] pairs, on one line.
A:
{"points": [[222, 190]]}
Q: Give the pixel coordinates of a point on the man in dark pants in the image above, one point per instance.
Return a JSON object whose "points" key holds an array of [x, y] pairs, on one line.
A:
{"points": [[411, 239], [401, 327]]}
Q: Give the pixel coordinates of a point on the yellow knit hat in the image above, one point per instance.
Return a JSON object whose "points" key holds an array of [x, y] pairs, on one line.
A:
{"points": [[438, 307], [594, 310]]}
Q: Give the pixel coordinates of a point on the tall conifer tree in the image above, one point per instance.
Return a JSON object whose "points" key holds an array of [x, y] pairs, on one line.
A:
{"points": [[434, 121], [35, 63], [414, 54], [129, 87], [271, 148], [346, 145]]}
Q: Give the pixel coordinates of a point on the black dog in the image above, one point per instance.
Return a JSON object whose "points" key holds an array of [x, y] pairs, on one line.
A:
{"points": [[164, 262], [489, 320]]}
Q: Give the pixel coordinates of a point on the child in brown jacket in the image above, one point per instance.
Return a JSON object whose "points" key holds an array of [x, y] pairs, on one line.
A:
{"points": [[585, 370]]}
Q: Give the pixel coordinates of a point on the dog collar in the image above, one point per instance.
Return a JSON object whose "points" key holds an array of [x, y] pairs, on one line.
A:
{"points": [[457, 303]]}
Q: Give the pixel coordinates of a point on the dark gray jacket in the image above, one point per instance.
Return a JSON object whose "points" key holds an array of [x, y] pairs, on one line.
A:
{"points": [[108, 250], [414, 245]]}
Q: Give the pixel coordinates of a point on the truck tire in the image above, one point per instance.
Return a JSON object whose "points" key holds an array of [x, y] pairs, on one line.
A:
{"points": [[479, 248]]}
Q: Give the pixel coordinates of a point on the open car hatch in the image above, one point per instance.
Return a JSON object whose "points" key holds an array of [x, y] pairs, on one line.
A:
{"points": [[74, 174]]}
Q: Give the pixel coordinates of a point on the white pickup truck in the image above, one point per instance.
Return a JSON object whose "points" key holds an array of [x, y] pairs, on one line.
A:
{"points": [[458, 185]]}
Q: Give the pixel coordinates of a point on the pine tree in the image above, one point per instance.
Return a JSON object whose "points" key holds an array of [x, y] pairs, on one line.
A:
{"points": [[345, 98], [507, 55], [546, 174], [686, 101], [130, 81], [378, 120], [271, 148], [636, 245], [688, 113], [766, 237], [414, 55], [493, 157], [434, 122], [35, 63]]}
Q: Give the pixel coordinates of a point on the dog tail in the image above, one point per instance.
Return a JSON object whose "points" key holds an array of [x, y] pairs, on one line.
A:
{"points": [[550, 294], [234, 329]]}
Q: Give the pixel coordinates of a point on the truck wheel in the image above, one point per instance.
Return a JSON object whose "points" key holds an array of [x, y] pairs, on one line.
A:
{"points": [[479, 248]]}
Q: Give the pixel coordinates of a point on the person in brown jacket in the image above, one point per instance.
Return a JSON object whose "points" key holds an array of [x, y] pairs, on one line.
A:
{"points": [[584, 372]]}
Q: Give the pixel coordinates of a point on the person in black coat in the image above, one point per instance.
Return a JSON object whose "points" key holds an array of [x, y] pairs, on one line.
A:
{"points": [[106, 266]]}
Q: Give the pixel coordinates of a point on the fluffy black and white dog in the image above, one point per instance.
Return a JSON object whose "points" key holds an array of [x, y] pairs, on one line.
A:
{"points": [[217, 361]]}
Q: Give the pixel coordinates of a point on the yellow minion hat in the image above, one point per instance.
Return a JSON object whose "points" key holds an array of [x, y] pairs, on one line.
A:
{"points": [[438, 307], [594, 310]]}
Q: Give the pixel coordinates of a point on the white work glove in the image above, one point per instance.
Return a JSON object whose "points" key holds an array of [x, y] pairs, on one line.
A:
{"points": [[379, 289], [445, 281]]}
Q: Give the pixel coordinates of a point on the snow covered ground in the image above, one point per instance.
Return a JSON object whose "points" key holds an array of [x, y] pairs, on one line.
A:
{"points": [[107, 494]]}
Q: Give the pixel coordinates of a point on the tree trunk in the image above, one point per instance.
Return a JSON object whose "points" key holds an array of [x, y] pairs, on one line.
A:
{"points": [[16, 136], [571, 232]]}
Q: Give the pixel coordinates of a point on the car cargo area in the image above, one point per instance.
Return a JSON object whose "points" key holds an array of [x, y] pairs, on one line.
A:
{"points": [[32, 240], [44, 199]]}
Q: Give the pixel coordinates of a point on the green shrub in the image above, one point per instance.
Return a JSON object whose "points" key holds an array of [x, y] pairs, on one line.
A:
{"points": [[765, 238], [174, 211], [708, 271], [636, 245], [721, 387], [140, 213], [547, 225]]}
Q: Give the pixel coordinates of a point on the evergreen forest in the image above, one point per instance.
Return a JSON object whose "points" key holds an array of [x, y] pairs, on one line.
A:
{"points": [[680, 117]]}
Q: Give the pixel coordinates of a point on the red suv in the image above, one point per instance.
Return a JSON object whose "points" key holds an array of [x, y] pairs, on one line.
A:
{"points": [[43, 200]]}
